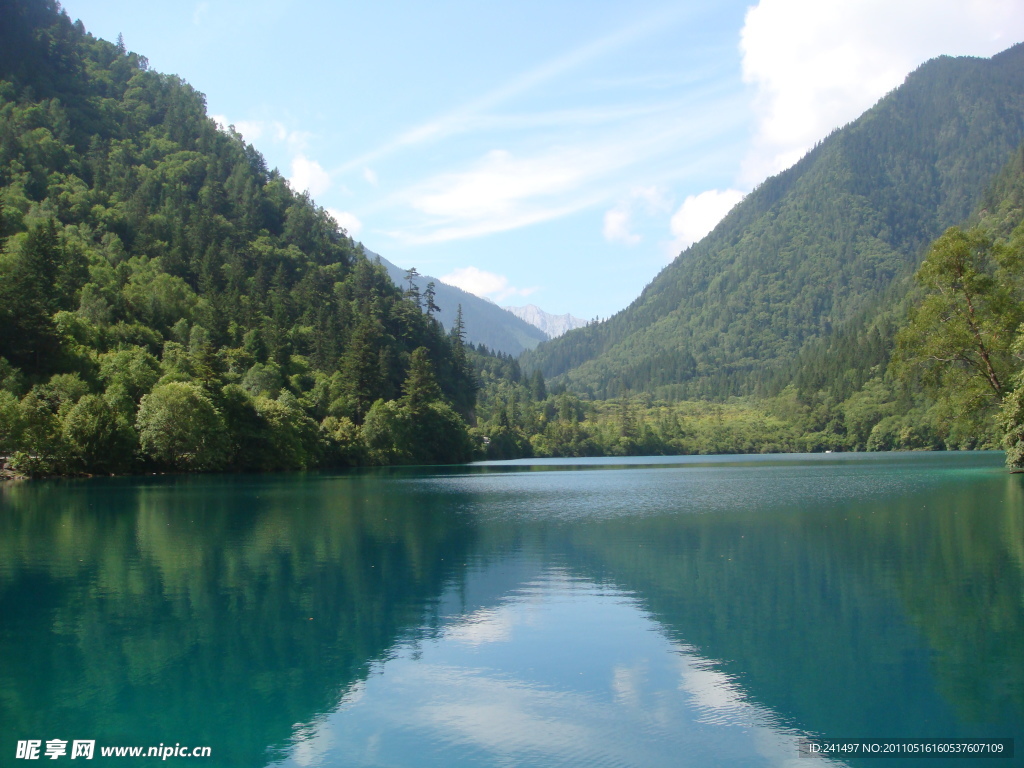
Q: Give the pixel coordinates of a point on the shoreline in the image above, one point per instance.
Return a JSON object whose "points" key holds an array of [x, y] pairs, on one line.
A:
{"points": [[7, 474]]}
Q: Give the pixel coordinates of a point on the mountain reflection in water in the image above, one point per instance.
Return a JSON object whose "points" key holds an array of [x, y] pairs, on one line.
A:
{"points": [[717, 608]]}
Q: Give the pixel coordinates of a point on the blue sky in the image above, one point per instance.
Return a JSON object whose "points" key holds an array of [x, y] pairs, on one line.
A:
{"points": [[555, 153]]}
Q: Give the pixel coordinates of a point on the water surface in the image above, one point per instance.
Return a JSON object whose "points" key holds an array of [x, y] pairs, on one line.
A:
{"points": [[595, 612]]}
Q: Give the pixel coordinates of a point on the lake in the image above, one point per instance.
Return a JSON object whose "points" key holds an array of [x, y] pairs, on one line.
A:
{"points": [[593, 612]]}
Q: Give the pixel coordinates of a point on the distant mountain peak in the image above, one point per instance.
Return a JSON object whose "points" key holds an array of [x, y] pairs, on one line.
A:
{"points": [[553, 325]]}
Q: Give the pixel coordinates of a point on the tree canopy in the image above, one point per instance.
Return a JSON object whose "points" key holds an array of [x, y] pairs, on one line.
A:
{"points": [[153, 256]]}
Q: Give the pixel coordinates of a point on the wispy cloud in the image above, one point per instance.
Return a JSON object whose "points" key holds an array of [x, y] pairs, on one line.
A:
{"points": [[499, 192], [503, 190], [617, 226], [498, 184], [273, 130], [462, 118], [487, 285]]}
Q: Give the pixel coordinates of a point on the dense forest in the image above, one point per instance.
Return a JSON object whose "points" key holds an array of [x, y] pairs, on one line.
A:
{"points": [[167, 302]]}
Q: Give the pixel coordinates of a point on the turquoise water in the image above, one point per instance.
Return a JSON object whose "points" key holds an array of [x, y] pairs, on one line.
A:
{"points": [[596, 612]]}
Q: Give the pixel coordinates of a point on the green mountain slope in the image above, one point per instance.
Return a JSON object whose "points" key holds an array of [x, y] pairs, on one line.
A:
{"points": [[813, 248], [167, 301]]}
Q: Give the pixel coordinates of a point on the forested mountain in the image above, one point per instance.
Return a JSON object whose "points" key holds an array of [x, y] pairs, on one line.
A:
{"points": [[484, 322], [934, 363], [812, 249], [167, 301]]}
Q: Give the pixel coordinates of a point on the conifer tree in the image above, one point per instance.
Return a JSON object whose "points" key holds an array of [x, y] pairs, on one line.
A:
{"points": [[428, 296], [413, 291], [420, 386], [361, 369]]}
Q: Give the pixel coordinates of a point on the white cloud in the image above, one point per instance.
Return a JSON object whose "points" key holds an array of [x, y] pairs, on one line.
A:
{"points": [[616, 227], [252, 130], [699, 214], [496, 186], [502, 191], [484, 284], [818, 65], [370, 175], [347, 221], [276, 131], [487, 625], [712, 689], [200, 13], [628, 684], [618, 221], [560, 171], [309, 175], [295, 140]]}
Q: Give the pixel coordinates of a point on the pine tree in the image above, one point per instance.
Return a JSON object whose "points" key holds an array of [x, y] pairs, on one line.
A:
{"points": [[537, 388], [413, 291], [458, 331], [420, 385], [428, 296], [360, 367]]}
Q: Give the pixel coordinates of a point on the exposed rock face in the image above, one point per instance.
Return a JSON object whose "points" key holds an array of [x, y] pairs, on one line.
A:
{"points": [[552, 325]]}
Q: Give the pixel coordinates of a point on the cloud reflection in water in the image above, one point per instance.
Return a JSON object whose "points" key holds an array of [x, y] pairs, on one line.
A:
{"points": [[560, 672]]}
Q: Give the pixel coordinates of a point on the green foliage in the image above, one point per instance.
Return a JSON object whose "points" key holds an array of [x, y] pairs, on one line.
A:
{"points": [[958, 337], [1011, 418], [292, 437], [263, 379], [386, 433], [922, 367], [420, 387], [141, 246], [1013, 424], [98, 437], [40, 449], [483, 322], [344, 440], [11, 378], [439, 436], [132, 368], [10, 423], [393, 434], [38, 277], [180, 428], [151, 262]]}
